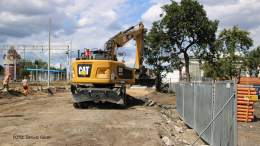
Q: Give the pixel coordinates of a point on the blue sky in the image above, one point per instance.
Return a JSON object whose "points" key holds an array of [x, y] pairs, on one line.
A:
{"points": [[89, 24]]}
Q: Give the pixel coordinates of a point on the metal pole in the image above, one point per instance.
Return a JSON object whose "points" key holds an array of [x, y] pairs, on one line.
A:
{"points": [[36, 73], [42, 53], [214, 118], [31, 76], [49, 52], [7, 63], [195, 72], [14, 68], [23, 52], [170, 84], [67, 71], [70, 61]]}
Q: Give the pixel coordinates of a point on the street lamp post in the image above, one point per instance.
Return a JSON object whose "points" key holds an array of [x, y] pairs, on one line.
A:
{"points": [[67, 64]]}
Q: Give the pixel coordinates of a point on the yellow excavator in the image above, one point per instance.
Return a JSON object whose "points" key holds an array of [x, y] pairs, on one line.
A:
{"points": [[106, 74]]}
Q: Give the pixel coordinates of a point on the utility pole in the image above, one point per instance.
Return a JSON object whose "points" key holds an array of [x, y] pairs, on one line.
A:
{"points": [[67, 63], [7, 63], [23, 52], [42, 53], [70, 61], [49, 52], [14, 68]]}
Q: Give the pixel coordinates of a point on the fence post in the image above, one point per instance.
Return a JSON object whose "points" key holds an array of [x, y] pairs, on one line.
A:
{"points": [[170, 84], [194, 108], [213, 97], [235, 110]]}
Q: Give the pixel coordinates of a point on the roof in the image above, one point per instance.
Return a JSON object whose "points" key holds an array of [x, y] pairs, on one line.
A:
{"points": [[12, 52], [44, 70]]}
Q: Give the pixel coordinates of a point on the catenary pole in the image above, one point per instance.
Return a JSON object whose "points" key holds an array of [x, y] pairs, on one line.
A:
{"points": [[70, 60], [49, 52]]}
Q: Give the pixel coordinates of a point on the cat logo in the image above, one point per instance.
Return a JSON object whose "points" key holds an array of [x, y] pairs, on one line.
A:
{"points": [[84, 70], [84, 73]]}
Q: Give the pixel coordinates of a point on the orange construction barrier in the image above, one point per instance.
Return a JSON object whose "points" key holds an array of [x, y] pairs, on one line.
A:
{"points": [[244, 120], [246, 89], [245, 102], [244, 113], [244, 110], [245, 93], [244, 106], [244, 117]]}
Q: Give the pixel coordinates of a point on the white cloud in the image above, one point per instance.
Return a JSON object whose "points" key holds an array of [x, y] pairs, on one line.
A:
{"points": [[130, 63], [244, 13], [85, 21], [153, 13], [130, 45]]}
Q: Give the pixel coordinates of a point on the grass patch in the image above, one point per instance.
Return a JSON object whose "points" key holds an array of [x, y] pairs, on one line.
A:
{"points": [[56, 83], [171, 94], [12, 85]]}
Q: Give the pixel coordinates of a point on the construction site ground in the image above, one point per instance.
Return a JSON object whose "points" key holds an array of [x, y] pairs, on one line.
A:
{"points": [[44, 119]]}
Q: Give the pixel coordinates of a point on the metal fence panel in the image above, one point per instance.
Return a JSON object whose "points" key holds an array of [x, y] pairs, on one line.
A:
{"points": [[179, 98], [188, 116], [203, 108], [225, 125]]}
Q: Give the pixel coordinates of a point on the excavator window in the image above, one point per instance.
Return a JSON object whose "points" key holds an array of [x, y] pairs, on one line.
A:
{"points": [[83, 55]]}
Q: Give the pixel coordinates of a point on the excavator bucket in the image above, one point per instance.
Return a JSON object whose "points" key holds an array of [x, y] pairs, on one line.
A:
{"points": [[145, 80]]}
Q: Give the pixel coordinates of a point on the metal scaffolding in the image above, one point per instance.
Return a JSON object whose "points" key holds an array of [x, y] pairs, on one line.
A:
{"points": [[67, 48]]}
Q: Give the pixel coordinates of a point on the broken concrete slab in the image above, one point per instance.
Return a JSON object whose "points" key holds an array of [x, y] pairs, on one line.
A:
{"points": [[191, 131], [178, 129], [180, 123], [167, 141], [152, 103]]}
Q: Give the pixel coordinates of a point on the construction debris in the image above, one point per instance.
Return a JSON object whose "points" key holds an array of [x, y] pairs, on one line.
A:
{"points": [[167, 141], [149, 103]]}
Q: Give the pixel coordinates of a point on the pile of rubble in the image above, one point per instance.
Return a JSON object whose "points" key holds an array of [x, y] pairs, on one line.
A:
{"points": [[173, 131]]}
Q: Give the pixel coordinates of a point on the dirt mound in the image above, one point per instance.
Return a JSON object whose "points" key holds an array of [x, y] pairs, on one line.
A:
{"points": [[10, 94], [162, 98]]}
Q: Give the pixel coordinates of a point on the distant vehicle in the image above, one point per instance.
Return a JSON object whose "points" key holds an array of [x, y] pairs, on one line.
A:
{"points": [[258, 92]]}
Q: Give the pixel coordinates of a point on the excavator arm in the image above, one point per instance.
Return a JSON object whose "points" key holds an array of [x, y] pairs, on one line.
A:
{"points": [[122, 38]]}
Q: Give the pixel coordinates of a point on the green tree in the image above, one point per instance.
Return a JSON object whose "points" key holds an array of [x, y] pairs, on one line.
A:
{"points": [[24, 72], [252, 61], [187, 28], [53, 68], [25, 65], [232, 45], [154, 54], [220, 68]]}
